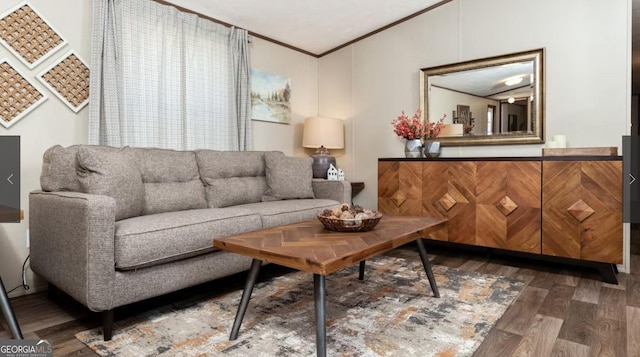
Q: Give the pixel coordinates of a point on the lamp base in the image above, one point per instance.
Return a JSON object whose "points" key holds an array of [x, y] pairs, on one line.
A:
{"points": [[321, 163]]}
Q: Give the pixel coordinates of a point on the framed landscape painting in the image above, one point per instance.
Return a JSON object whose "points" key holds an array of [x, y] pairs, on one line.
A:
{"points": [[270, 97]]}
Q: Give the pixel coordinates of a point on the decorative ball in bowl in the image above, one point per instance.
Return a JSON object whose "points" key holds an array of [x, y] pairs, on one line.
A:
{"points": [[349, 219]]}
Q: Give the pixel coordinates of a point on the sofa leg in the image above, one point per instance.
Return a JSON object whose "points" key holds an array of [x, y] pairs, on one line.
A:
{"points": [[107, 324]]}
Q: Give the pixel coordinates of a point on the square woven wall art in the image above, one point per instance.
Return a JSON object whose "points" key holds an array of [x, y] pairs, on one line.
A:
{"points": [[18, 96], [28, 36], [68, 79]]}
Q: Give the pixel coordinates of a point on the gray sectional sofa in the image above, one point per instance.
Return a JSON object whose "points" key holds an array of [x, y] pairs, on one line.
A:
{"points": [[112, 226]]}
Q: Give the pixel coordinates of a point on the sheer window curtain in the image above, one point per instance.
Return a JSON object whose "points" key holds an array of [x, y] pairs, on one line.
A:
{"points": [[168, 79]]}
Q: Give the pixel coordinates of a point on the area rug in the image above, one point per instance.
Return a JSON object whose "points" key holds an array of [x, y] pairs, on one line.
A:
{"points": [[392, 312]]}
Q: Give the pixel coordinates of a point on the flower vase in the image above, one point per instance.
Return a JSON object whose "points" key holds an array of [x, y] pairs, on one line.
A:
{"points": [[413, 148], [432, 149]]}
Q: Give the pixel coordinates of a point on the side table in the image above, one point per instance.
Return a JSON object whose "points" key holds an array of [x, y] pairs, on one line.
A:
{"points": [[356, 187]]}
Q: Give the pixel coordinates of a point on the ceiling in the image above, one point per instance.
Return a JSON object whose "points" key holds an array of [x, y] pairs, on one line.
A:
{"points": [[315, 26], [489, 82]]}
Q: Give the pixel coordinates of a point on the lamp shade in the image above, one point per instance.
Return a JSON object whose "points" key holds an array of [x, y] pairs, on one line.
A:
{"points": [[323, 131]]}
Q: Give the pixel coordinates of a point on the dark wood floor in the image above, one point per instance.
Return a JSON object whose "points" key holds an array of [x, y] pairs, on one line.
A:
{"points": [[563, 311]]}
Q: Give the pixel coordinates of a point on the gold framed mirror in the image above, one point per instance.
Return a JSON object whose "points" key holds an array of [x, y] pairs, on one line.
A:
{"points": [[489, 101]]}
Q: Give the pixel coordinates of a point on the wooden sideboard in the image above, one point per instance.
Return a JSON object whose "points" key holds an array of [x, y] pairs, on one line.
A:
{"points": [[552, 206]]}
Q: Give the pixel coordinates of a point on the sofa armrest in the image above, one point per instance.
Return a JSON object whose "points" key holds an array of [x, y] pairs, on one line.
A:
{"points": [[72, 244], [334, 190]]}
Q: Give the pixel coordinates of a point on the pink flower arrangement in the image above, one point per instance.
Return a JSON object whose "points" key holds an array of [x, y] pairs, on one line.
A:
{"points": [[469, 126], [409, 129], [434, 128]]}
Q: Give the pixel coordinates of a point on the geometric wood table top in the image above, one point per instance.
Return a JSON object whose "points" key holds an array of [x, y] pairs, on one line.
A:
{"points": [[310, 247]]}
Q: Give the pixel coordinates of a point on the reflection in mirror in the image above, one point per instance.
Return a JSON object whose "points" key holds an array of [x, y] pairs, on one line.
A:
{"points": [[497, 100]]}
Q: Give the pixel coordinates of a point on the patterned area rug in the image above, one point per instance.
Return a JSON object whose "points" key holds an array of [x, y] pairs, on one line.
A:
{"points": [[391, 313]]}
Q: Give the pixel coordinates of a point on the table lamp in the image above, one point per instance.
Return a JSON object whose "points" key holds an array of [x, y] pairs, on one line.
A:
{"points": [[323, 133]]}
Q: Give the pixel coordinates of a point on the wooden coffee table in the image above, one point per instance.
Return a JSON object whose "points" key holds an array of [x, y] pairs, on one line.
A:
{"points": [[309, 247]]}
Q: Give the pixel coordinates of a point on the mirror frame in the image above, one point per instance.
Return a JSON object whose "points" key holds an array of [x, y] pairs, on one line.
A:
{"points": [[536, 137]]}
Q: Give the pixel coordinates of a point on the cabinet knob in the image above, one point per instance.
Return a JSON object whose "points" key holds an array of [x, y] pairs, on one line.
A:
{"points": [[447, 201], [506, 206], [580, 210]]}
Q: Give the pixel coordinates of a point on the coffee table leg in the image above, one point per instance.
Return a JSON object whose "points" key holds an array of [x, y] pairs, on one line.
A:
{"points": [[427, 267], [7, 311], [321, 327], [361, 275], [246, 295]]}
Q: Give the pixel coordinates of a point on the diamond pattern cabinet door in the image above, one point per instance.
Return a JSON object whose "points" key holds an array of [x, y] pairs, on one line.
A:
{"points": [[400, 188], [582, 210], [491, 190], [436, 201], [560, 190], [448, 191], [410, 190], [508, 205], [388, 185], [601, 235], [524, 223], [462, 216]]}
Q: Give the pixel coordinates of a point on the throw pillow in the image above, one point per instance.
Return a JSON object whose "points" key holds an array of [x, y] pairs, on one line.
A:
{"points": [[58, 169], [112, 172], [287, 177]]}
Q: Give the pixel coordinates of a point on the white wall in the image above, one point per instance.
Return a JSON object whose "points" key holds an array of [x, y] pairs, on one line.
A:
{"points": [[303, 71], [49, 124], [586, 64], [335, 101], [370, 82], [53, 123]]}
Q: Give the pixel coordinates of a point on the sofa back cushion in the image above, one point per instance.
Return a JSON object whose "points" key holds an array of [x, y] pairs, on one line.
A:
{"points": [[232, 177], [111, 172], [59, 169], [288, 177], [171, 180]]}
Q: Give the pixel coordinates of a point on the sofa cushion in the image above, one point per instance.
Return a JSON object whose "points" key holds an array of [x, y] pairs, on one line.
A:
{"points": [[159, 238], [232, 177], [111, 172], [171, 180], [59, 169], [162, 197], [235, 191], [277, 213], [288, 177]]}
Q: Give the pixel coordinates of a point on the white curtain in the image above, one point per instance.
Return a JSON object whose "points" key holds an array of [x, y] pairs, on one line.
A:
{"points": [[165, 78]]}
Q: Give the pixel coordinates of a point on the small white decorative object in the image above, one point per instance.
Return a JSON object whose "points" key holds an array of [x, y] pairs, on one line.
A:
{"points": [[340, 175], [332, 173], [561, 140]]}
